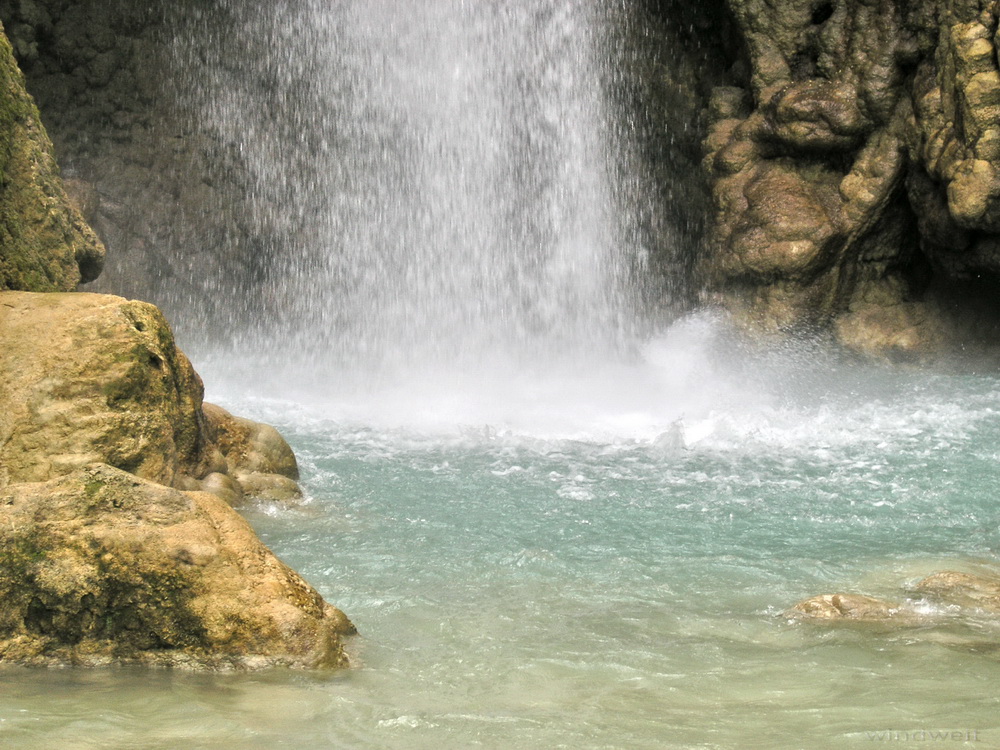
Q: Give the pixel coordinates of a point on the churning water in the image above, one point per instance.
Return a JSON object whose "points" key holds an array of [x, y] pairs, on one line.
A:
{"points": [[607, 589], [552, 528]]}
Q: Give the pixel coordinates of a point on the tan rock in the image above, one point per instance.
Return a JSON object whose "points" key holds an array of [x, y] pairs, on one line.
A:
{"points": [[248, 446], [100, 566], [962, 589], [849, 607], [270, 487], [95, 378]]}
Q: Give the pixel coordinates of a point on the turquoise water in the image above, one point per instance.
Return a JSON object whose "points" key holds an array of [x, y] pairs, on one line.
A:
{"points": [[613, 577]]}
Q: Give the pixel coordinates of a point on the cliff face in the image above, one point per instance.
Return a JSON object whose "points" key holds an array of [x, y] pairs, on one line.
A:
{"points": [[113, 85], [45, 245], [854, 171]]}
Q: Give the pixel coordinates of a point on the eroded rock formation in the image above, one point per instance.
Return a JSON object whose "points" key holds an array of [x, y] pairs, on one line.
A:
{"points": [[99, 566], [854, 171], [103, 557]]}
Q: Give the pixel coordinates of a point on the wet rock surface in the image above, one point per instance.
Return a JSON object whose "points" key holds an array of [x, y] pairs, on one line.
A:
{"points": [[950, 608], [853, 607]]}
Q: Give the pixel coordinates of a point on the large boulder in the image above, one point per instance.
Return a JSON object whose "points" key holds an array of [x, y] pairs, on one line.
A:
{"points": [[45, 244], [94, 378], [91, 377], [100, 566]]}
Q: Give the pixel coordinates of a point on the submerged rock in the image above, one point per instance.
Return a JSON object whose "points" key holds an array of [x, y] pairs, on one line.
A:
{"points": [[101, 566], [962, 589], [852, 607]]}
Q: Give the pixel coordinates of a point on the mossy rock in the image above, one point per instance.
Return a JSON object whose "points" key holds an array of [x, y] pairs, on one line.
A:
{"points": [[101, 567], [45, 244]]}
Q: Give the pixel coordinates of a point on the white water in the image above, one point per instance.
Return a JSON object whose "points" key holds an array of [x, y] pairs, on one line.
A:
{"points": [[443, 179]]}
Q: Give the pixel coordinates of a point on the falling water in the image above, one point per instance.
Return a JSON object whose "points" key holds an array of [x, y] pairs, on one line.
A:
{"points": [[440, 181]]}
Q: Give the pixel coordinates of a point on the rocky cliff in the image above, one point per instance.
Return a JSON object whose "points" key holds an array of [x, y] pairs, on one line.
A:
{"points": [[44, 242], [854, 165]]}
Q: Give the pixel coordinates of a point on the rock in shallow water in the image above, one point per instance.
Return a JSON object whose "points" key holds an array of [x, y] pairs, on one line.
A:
{"points": [[853, 607], [962, 589], [118, 543], [100, 566]]}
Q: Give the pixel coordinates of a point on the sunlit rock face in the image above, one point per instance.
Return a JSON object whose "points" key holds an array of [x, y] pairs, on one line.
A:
{"points": [[97, 378], [101, 567], [116, 483], [853, 172]]}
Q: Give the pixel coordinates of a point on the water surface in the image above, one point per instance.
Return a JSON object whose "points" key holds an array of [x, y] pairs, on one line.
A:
{"points": [[610, 578]]}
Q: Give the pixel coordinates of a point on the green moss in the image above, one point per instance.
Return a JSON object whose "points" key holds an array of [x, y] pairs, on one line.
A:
{"points": [[135, 386], [93, 488]]}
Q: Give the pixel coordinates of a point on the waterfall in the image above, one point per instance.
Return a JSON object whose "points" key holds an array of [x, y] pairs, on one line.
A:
{"points": [[441, 183]]}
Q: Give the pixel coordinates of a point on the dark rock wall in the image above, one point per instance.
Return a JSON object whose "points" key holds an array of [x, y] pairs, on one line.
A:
{"points": [[166, 199]]}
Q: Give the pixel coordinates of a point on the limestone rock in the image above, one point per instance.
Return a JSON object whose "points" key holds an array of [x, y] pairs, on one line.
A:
{"points": [[258, 458], [847, 607], [899, 104], [269, 487], [100, 566], [45, 244], [962, 589], [250, 446], [94, 378]]}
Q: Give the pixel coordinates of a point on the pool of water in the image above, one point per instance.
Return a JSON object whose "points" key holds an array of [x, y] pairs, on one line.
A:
{"points": [[606, 569]]}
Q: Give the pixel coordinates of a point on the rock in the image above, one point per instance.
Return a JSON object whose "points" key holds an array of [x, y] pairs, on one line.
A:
{"points": [[962, 589], [223, 487], [45, 244], [848, 607], [94, 378], [248, 446], [899, 104], [270, 487], [99, 566]]}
